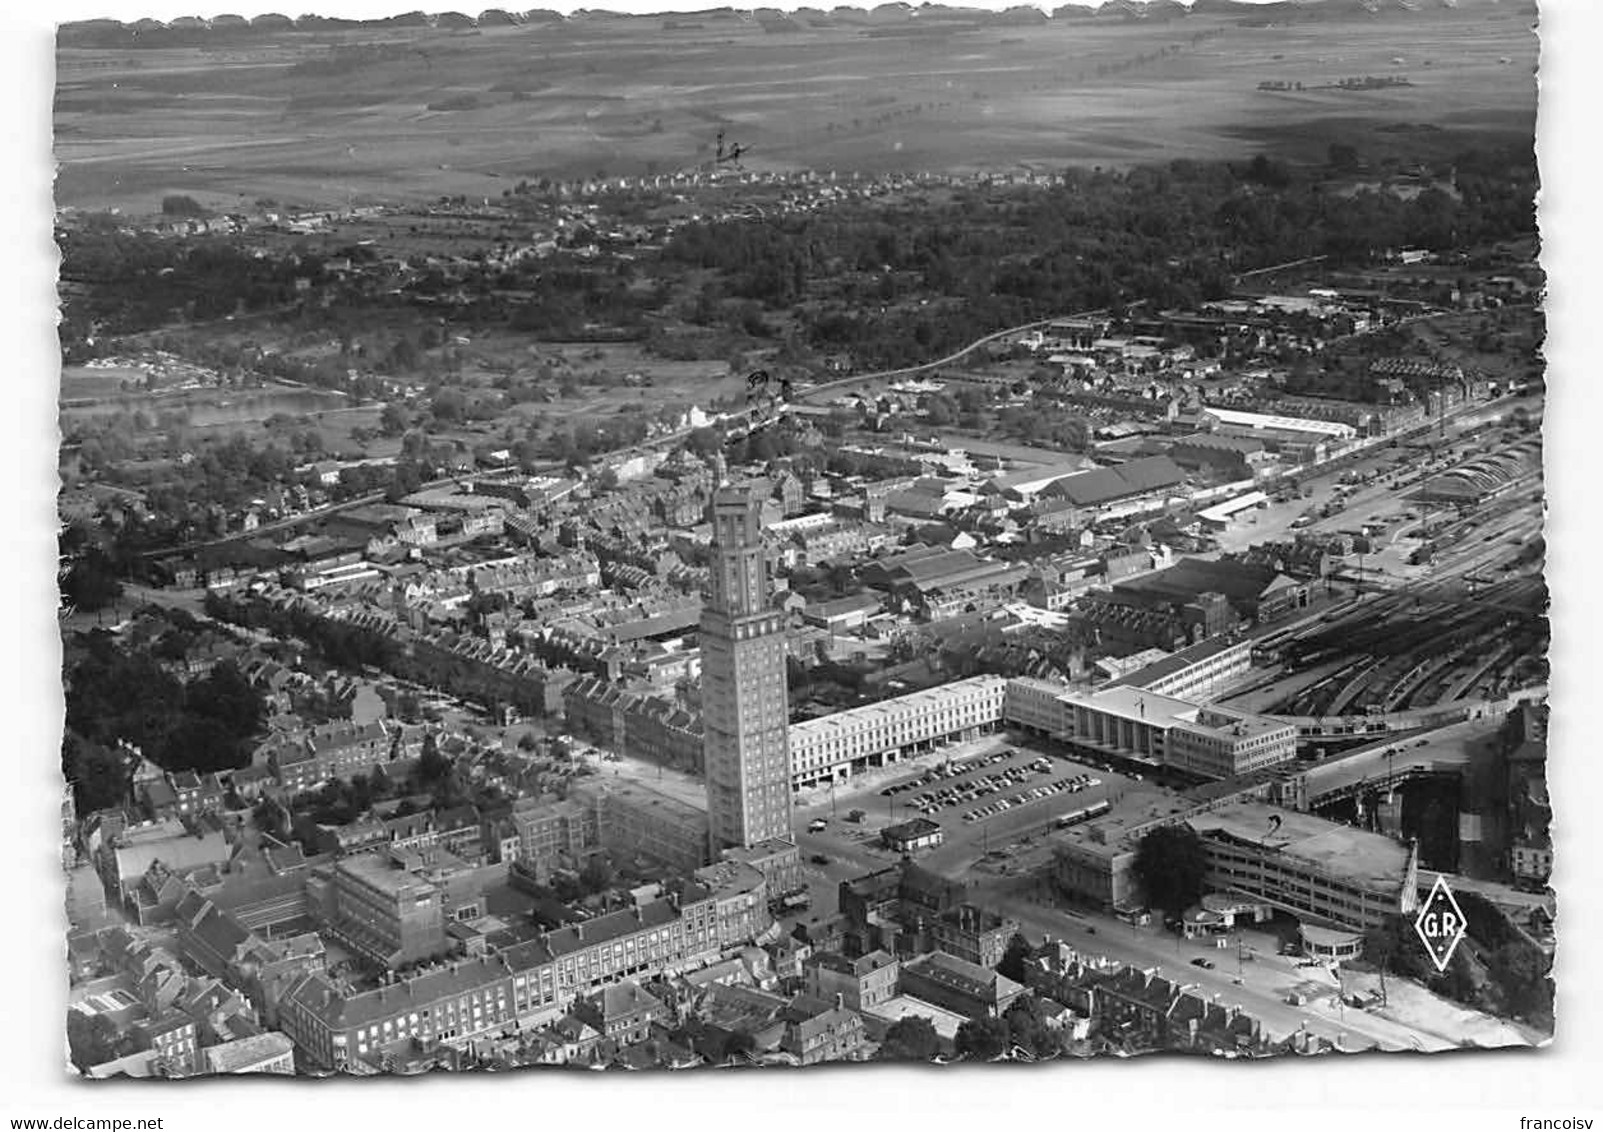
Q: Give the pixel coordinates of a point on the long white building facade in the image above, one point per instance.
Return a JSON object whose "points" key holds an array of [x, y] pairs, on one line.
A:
{"points": [[834, 747]]}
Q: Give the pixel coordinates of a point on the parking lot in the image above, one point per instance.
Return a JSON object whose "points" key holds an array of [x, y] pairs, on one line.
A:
{"points": [[992, 797], [984, 786]]}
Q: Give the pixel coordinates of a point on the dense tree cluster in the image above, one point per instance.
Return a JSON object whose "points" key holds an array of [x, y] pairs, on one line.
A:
{"points": [[115, 694], [90, 583], [342, 646], [1169, 235], [910, 1039], [141, 281], [95, 1039], [983, 1039], [101, 778], [1022, 1031]]}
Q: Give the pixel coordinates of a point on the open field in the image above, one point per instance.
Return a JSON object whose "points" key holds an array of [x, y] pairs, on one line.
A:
{"points": [[600, 369], [82, 383], [326, 117], [208, 408]]}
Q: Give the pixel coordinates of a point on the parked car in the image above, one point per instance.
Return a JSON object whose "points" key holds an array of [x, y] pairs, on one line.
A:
{"points": [[1206, 964], [819, 859]]}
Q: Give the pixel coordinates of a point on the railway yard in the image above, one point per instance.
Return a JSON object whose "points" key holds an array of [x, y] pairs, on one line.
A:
{"points": [[1450, 602]]}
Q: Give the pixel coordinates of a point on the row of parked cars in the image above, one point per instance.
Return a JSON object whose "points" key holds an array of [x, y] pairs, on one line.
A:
{"points": [[1063, 785], [968, 790], [952, 770]]}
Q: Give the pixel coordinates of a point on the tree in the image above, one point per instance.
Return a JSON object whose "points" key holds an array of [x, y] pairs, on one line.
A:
{"points": [[1171, 865], [597, 875], [408, 707], [1027, 1027], [1522, 973], [450, 405], [910, 1039], [381, 784], [704, 442], [1394, 948], [432, 766], [99, 775], [720, 1048], [177, 204], [203, 745], [394, 420], [268, 817], [1343, 158], [91, 584], [939, 410], [1012, 964], [226, 696], [983, 1039], [93, 1040]]}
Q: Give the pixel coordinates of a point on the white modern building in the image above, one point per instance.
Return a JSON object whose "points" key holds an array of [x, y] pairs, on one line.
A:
{"points": [[833, 747]]}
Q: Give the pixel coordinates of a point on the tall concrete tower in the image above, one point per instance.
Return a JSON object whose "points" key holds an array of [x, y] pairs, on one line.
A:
{"points": [[745, 708]]}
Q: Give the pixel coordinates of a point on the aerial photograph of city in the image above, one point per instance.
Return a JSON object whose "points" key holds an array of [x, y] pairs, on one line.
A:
{"points": [[771, 537]]}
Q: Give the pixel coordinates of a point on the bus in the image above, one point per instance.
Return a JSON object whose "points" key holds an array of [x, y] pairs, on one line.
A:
{"points": [[1080, 816]]}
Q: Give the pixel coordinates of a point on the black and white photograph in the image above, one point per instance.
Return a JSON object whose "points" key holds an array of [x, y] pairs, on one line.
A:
{"points": [[738, 539]]}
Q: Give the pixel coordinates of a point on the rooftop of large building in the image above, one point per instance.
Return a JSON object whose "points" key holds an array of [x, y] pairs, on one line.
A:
{"points": [[642, 797], [1283, 424], [1138, 704], [726, 878], [1025, 479], [1191, 577], [1232, 724], [1106, 485], [1371, 859], [924, 700], [381, 872], [1133, 812], [1163, 667]]}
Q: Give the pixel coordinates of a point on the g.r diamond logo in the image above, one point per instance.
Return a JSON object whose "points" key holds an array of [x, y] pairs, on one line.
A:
{"points": [[1440, 924]]}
